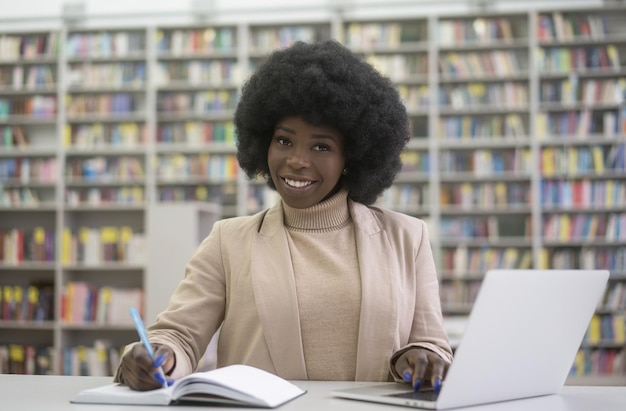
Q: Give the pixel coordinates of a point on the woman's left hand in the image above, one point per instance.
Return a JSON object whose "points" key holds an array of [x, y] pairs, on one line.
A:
{"points": [[418, 363]]}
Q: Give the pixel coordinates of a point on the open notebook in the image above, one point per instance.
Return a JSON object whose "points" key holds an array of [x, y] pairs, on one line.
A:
{"points": [[520, 340], [237, 385]]}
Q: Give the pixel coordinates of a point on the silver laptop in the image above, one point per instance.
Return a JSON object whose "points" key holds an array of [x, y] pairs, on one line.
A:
{"points": [[520, 341]]}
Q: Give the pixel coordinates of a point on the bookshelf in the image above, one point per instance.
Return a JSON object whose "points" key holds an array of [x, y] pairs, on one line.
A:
{"points": [[581, 122], [484, 151], [198, 72], [103, 205], [28, 225], [517, 156]]}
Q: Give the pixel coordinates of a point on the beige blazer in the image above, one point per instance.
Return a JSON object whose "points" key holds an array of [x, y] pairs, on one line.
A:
{"points": [[241, 277]]}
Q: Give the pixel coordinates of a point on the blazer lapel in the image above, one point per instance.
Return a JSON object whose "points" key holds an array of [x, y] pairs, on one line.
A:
{"points": [[379, 267], [275, 296]]}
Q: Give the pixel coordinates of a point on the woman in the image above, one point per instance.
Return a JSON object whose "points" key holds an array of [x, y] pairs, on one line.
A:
{"points": [[322, 285]]}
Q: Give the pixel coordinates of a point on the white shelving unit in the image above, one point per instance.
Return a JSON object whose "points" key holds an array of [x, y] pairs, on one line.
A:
{"points": [[176, 230]]}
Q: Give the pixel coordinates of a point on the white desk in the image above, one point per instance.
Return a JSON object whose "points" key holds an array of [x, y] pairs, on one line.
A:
{"points": [[53, 393]]}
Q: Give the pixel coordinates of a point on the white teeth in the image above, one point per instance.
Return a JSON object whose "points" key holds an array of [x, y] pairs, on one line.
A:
{"points": [[296, 183]]}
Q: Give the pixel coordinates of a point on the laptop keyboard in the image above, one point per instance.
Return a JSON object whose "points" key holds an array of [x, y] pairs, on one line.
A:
{"points": [[426, 395]]}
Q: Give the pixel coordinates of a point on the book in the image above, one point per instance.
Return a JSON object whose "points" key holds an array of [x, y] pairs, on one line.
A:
{"points": [[237, 384]]}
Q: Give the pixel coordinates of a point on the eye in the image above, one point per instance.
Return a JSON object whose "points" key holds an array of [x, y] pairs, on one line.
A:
{"points": [[321, 147], [283, 141]]}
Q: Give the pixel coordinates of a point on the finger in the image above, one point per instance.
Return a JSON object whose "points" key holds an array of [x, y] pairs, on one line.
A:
{"points": [[438, 368], [419, 370], [140, 357], [139, 378], [153, 366], [437, 384], [407, 375], [404, 369], [140, 371], [164, 357], [135, 377], [437, 377]]}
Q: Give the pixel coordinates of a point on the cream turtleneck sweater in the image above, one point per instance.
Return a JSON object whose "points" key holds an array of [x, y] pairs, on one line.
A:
{"points": [[328, 286]]}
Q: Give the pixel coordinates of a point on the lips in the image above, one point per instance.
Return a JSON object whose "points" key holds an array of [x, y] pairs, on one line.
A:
{"points": [[297, 183]]}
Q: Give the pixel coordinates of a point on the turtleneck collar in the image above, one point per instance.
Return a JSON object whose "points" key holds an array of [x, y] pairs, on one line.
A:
{"points": [[331, 214]]}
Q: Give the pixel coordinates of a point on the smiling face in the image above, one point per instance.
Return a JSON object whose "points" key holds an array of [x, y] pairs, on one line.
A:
{"points": [[305, 161]]}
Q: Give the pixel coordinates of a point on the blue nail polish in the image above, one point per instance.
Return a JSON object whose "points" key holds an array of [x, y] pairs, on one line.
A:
{"points": [[157, 376], [437, 386], [159, 360], [170, 383], [407, 376], [417, 385]]}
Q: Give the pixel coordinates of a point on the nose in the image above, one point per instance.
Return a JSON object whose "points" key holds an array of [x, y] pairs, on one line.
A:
{"points": [[298, 158]]}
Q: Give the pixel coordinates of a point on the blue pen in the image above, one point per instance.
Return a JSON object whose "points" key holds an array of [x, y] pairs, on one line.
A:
{"points": [[141, 330]]}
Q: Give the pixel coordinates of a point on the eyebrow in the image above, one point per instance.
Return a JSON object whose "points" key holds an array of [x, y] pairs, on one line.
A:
{"points": [[317, 135]]}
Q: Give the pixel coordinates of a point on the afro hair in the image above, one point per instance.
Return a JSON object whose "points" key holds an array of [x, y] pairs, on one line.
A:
{"points": [[325, 84]]}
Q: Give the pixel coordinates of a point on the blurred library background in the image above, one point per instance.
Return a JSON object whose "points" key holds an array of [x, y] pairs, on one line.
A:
{"points": [[117, 152]]}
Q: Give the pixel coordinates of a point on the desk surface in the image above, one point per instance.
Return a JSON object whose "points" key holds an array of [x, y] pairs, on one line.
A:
{"points": [[53, 393]]}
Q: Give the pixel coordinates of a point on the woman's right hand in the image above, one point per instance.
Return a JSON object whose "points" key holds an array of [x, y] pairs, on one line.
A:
{"points": [[139, 372]]}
